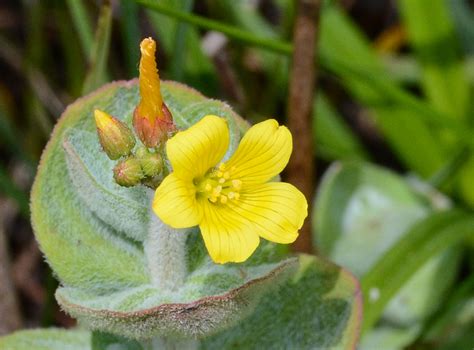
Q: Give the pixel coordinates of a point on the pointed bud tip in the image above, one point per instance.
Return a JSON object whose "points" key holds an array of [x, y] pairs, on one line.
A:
{"points": [[102, 119], [148, 46]]}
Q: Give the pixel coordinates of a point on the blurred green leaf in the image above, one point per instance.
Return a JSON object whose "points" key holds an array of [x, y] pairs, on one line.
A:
{"points": [[197, 69], [82, 24], [361, 208], [97, 74], [129, 25], [464, 22], [456, 315], [177, 65], [401, 117], [424, 240], [47, 339], [432, 34], [10, 189], [73, 57], [333, 138]]}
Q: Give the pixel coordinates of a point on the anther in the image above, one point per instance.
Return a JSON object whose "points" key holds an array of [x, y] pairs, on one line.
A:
{"points": [[237, 184]]}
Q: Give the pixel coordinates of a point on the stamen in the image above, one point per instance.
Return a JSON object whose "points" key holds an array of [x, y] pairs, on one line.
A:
{"points": [[219, 187], [237, 184]]}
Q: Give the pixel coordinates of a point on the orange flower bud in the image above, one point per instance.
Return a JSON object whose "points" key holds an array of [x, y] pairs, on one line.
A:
{"points": [[116, 138], [128, 172], [152, 120]]}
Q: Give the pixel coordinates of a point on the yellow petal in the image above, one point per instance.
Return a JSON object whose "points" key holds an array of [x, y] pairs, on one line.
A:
{"points": [[276, 209], [194, 151], [263, 153], [228, 237], [175, 203]]}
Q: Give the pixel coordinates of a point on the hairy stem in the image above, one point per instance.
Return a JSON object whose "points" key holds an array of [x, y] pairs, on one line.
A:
{"points": [[165, 251]]}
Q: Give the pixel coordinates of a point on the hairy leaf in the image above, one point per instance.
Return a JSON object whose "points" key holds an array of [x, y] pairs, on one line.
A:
{"points": [[318, 308]]}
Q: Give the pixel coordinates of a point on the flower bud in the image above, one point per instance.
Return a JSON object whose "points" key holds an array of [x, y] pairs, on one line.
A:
{"points": [[152, 163], [151, 119], [116, 138], [128, 172]]}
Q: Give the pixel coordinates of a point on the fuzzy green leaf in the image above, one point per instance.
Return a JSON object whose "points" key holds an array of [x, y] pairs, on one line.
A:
{"points": [[213, 298], [318, 308]]}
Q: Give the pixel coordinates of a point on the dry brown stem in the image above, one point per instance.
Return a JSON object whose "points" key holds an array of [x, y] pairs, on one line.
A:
{"points": [[301, 169]]}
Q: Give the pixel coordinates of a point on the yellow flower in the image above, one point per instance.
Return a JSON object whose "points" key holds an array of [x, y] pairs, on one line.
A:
{"points": [[232, 202]]}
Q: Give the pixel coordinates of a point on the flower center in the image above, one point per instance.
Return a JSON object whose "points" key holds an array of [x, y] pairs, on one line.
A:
{"points": [[218, 186]]}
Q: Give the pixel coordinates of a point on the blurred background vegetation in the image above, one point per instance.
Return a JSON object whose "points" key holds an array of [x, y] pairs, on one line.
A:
{"points": [[395, 84]]}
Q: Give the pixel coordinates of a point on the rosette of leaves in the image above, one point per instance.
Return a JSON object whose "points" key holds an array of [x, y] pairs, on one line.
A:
{"points": [[92, 233]]}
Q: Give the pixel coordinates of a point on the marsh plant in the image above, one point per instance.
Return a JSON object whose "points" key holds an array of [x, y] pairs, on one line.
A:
{"points": [[162, 215]]}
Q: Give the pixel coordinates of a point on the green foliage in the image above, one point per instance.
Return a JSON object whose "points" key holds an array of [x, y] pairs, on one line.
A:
{"points": [[92, 233], [97, 74], [363, 208]]}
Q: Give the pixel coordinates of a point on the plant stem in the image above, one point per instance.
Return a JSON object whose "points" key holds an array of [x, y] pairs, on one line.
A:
{"points": [[231, 31], [301, 168], [165, 251]]}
